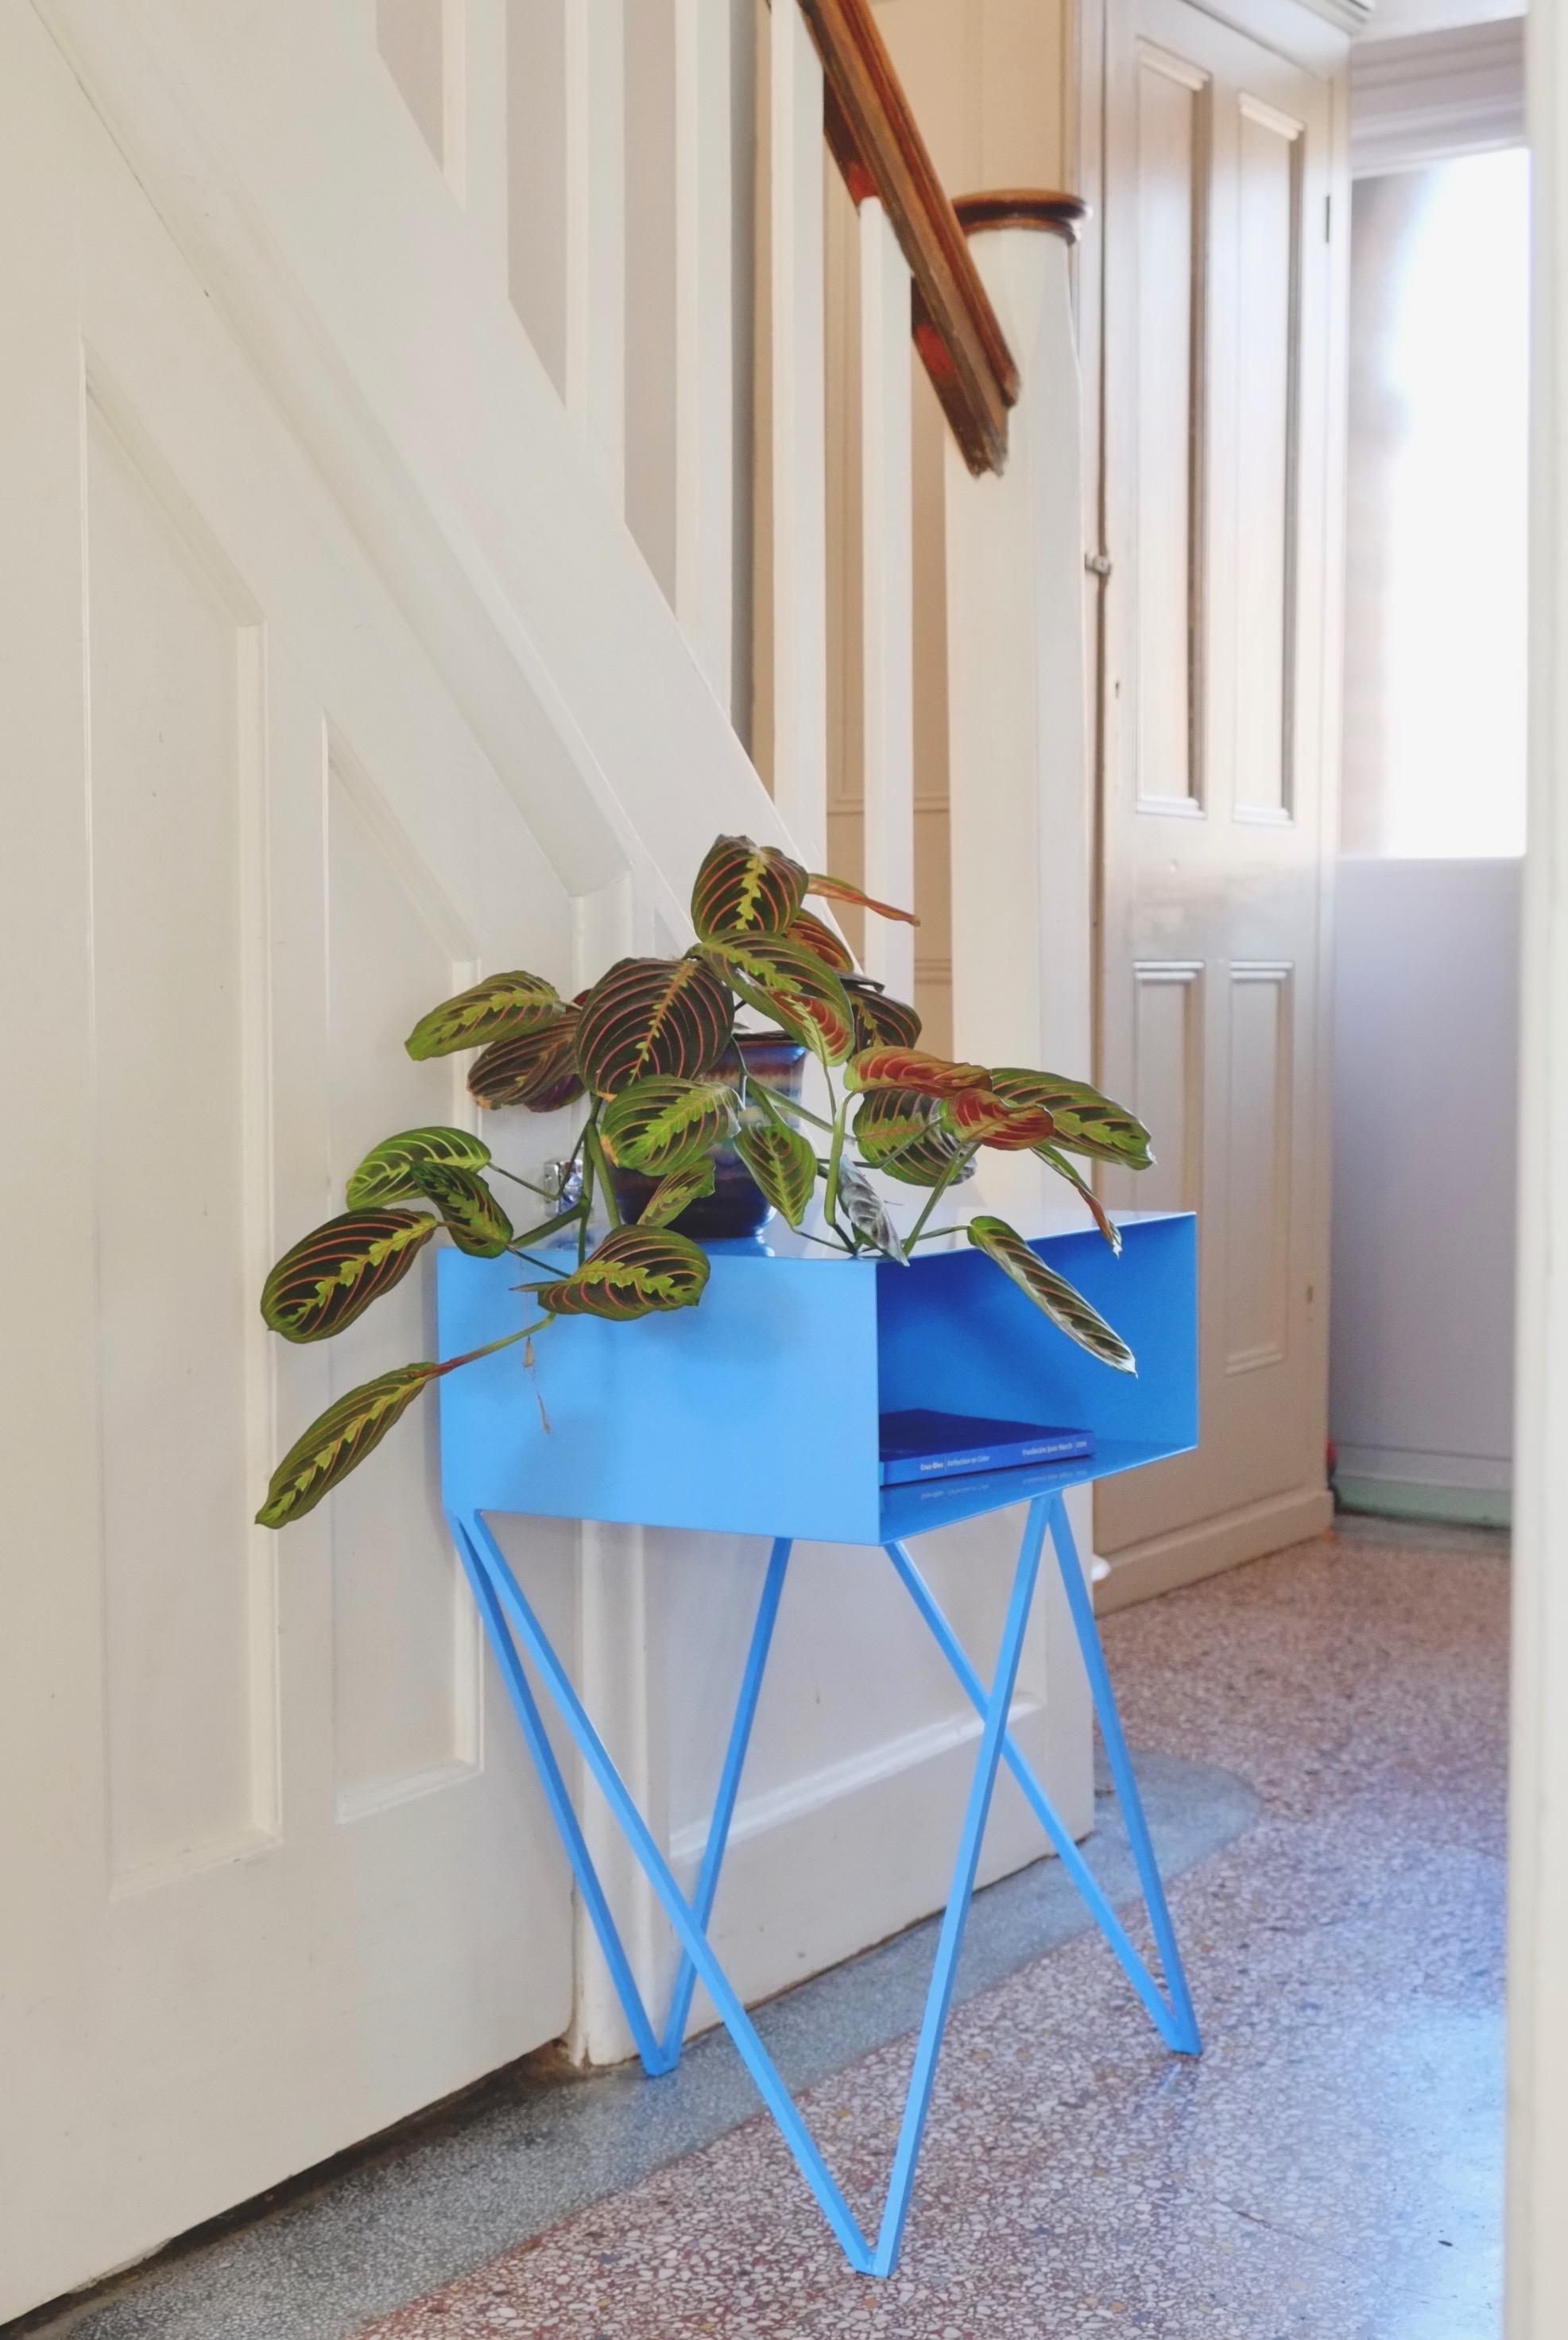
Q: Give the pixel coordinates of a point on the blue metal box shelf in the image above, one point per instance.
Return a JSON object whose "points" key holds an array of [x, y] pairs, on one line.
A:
{"points": [[757, 1413]]}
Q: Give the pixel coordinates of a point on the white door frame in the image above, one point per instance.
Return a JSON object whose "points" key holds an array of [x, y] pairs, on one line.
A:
{"points": [[1537, 2246]]}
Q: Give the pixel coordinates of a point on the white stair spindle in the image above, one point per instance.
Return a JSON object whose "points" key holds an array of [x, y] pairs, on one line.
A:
{"points": [[888, 613], [474, 143], [1021, 862], [595, 78], [705, 166], [799, 433]]}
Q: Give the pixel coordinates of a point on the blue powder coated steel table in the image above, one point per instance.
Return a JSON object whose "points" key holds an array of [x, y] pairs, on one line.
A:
{"points": [[680, 1421]]}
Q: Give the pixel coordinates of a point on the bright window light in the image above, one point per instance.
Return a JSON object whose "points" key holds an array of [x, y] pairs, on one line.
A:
{"points": [[1435, 604]]}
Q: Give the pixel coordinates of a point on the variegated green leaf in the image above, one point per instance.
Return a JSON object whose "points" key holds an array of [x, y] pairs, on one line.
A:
{"points": [[880, 1022], [928, 1161], [1051, 1293], [868, 1214], [469, 1212], [890, 1119], [331, 1275], [1081, 1188], [1085, 1122], [337, 1440], [782, 979], [537, 1069], [634, 1272], [814, 934], [659, 1125], [490, 1010], [783, 1162], [745, 890], [652, 1016], [390, 1171], [676, 1193]]}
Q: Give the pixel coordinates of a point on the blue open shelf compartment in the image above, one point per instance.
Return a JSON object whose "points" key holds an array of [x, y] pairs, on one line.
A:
{"points": [[757, 1413]]}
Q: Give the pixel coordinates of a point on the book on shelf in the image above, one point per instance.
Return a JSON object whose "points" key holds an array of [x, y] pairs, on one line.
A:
{"points": [[921, 1444]]}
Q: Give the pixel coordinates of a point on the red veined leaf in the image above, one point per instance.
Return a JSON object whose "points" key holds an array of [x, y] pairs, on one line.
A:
{"points": [[500, 1005], [880, 1022], [332, 1275], [929, 1162], [648, 1015], [890, 1119], [783, 1162], [838, 889], [659, 1125], [337, 1440], [782, 979], [537, 1069], [1102, 1217], [1051, 1293], [1086, 1122], [390, 1171], [912, 1068], [675, 1194], [981, 1113], [469, 1212], [815, 935], [744, 890], [634, 1272]]}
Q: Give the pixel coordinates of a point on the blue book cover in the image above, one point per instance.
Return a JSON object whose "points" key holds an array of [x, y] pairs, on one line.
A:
{"points": [[921, 1445]]}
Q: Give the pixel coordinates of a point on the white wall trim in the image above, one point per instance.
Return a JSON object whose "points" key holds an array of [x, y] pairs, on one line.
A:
{"points": [[1434, 95]]}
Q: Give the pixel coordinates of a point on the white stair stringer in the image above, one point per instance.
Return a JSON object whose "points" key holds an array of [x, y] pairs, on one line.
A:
{"points": [[281, 158]]}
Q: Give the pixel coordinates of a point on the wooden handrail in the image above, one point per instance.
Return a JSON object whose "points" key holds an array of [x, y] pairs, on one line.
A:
{"points": [[878, 147], [1031, 207]]}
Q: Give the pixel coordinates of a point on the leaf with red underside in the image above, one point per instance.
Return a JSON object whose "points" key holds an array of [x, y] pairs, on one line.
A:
{"points": [[1086, 1122], [838, 889], [815, 935], [1081, 1188], [982, 1114], [912, 1068], [783, 979]]}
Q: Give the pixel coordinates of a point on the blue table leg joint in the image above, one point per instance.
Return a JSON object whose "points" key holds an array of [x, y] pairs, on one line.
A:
{"points": [[515, 1634]]}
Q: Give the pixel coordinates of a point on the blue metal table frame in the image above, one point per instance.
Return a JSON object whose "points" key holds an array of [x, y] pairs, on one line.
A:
{"points": [[516, 1634]]}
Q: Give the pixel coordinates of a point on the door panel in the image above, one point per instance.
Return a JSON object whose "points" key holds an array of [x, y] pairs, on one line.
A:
{"points": [[1215, 798], [282, 1870]]}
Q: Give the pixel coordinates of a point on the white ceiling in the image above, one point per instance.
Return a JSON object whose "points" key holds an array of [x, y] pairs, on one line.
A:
{"points": [[1392, 19]]}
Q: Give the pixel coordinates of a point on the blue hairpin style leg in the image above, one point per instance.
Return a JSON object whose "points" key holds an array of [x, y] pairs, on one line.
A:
{"points": [[509, 1607], [1185, 2036], [1171, 2019], [728, 1789]]}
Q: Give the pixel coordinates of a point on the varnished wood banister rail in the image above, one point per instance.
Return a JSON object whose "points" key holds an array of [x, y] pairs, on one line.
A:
{"points": [[878, 145]]}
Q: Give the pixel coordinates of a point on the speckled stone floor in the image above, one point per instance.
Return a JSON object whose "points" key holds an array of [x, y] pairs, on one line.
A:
{"points": [[1332, 2166]]}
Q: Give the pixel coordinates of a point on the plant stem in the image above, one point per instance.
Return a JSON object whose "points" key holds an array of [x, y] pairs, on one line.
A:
{"points": [[508, 1341], [835, 1156], [933, 1234], [785, 1104], [952, 1171], [542, 1192], [548, 1228], [596, 1154]]}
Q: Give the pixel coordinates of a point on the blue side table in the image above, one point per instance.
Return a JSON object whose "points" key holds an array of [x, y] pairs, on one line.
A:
{"points": [[679, 1421]]}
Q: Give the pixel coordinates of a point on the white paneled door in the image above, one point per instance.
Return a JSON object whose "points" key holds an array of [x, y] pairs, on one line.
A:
{"points": [[1222, 360], [274, 1874]]}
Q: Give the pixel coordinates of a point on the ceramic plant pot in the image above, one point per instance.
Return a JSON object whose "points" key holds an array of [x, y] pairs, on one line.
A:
{"points": [[737, 1206]]}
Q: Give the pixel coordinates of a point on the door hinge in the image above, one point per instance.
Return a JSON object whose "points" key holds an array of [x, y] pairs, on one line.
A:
{"points": [[1098, 564], [1328, 218]]}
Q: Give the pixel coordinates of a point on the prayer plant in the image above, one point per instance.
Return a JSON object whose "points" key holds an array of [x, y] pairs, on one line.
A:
{"points": [[649, 1048]]}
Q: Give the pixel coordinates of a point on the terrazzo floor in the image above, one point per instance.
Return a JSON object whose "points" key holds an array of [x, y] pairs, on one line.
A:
{"points": [[1331, 2167]]}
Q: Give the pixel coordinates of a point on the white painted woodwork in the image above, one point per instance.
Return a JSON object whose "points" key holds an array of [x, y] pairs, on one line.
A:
{"points": [[596, 198], [887, 598], [682, 412], [1022, 937], [1223, 361], [709, 167], [1426, 976], [1537, 2233], [474, 121], [797, 538], [284, 1873]]}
